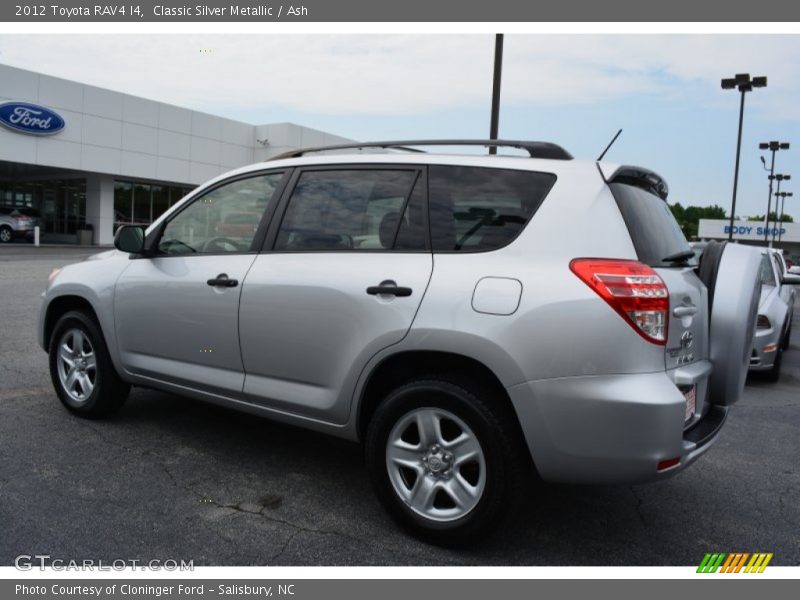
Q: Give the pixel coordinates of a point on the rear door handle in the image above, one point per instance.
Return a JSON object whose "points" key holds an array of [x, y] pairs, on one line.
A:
{"points": [[222, 280], [390, 289], [684, 311]]}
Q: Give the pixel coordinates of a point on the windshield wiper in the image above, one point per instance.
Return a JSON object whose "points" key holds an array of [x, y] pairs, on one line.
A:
{"points": [[679, 257]]}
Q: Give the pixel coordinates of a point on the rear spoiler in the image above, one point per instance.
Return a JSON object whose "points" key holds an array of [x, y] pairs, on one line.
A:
{"points": [[638, 177]]}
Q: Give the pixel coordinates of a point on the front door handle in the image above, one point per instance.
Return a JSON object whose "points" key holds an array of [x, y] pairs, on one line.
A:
{"points": [[389, 288], [222, 280]]}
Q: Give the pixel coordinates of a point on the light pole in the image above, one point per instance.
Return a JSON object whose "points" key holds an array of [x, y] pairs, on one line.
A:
{"points": [[784, 195], [773, 147], [744, 84], [777, 177], [498, 71]]}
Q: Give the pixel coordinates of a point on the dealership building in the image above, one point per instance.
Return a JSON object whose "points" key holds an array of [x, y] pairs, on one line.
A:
{"points": [[785, 236], [90, 159]]}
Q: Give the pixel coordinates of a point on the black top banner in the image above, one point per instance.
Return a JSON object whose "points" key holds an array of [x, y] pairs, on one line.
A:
{"points": [[314, 11]]}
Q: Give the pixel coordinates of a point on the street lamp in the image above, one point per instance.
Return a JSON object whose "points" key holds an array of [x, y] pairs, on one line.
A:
{"points": [[783, 195], [773, 147], [777, 177], [498, 71], [744, 84]]}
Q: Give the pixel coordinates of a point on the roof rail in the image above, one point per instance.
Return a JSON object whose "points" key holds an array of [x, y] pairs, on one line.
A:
{"points": [[534, 149]]}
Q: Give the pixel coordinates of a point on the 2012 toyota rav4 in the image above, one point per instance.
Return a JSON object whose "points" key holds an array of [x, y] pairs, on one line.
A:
{"points": [[472, 320]]}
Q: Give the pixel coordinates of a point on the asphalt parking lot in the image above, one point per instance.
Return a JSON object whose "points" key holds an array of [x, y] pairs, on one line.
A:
{"points": [[171, 478]]}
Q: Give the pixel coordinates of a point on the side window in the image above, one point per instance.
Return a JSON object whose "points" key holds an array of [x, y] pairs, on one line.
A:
{"points": [[223, 220], [354, 209], [480, 209], [766, 272]]}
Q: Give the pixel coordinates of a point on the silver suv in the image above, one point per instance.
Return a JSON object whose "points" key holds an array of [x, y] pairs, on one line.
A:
{"points": [[471, 320], [16, 223]]}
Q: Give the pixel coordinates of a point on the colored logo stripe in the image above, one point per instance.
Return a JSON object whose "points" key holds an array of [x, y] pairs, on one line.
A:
{"points": [[734, 562]]}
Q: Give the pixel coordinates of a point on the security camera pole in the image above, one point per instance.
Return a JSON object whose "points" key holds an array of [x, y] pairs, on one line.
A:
{"points": [[773, 147], [744, 84]]}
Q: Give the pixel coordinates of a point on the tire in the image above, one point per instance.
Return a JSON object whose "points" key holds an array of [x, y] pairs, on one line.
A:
{"points": [[709, 268], [6, 234], [95, 390], [488, 484]]}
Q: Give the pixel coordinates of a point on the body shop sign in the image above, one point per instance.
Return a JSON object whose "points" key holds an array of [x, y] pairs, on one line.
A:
{"points": [[30, 118]]}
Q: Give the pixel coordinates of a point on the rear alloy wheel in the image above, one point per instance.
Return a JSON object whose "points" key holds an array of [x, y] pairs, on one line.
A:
{"points": [[436, 464], [6, 234], [446, 459], [81, 369]]}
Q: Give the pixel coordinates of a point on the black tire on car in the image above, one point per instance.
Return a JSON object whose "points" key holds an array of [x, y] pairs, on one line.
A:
{"points": [[6, 234], [453, 483], [81, 369], [709, 268]]}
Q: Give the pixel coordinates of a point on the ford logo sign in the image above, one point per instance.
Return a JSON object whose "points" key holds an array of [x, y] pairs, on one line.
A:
{"points": [[30, 118]]}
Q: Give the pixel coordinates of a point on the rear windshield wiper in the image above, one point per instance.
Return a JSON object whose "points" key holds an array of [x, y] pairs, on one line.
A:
{"points": [[678, 257]]}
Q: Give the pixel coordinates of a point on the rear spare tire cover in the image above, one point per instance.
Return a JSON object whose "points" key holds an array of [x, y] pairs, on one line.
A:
{"points": [[735, 288]]}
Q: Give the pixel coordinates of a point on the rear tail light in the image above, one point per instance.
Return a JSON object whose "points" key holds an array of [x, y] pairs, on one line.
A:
{"points": [[632, 289], [763, 322]]}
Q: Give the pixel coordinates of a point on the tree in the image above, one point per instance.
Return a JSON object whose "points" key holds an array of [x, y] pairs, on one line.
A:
{"points": [[689, 217], [773, 216]]}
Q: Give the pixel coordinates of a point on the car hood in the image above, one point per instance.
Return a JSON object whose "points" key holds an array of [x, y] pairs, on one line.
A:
{"points": [[104, 255]]}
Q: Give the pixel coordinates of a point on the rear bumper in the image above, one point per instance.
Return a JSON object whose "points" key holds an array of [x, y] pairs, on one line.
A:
{"points": [[615, 428], [765, 349]]}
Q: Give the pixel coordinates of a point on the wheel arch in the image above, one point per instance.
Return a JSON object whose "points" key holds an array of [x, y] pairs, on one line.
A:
{"points": [[403, 366], [59, 306]]}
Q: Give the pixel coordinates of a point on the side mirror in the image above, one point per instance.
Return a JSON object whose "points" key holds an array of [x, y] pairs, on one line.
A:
{"points": [[130, 239], [791, 279]]}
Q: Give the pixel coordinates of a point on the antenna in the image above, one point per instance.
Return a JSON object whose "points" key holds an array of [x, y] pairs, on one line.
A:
{"points": [[611, 143]]}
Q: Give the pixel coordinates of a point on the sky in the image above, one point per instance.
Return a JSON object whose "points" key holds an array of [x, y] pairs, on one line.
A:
{"points": [[575, 90]]}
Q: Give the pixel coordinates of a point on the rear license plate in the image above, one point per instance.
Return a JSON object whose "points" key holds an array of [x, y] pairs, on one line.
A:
{"points": [[691, 402]]}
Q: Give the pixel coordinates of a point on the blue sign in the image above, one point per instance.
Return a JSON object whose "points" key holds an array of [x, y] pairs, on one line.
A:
{"points": [[30, 118]]}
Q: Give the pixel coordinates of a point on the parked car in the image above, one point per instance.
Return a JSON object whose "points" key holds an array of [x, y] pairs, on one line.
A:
{"points": [[775, 311], [16, 224], [438, 309]]}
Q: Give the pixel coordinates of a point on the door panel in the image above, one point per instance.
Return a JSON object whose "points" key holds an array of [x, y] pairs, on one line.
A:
{"points": [[308, 325], [176, 314], [172, 326]]}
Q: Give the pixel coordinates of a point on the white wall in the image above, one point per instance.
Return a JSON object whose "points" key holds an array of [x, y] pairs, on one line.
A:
{"points": [[127, 136]]}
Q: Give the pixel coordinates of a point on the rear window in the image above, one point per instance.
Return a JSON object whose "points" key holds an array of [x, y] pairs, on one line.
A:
{"points": [[475, 209], [653, 230]]}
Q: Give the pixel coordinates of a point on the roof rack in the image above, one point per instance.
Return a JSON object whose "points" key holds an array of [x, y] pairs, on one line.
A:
{"points": [[534, 149]]}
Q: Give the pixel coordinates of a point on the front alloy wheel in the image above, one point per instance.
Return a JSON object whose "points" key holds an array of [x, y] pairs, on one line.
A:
{"points": [[81, 369], [77, 365]]}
